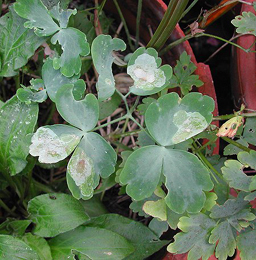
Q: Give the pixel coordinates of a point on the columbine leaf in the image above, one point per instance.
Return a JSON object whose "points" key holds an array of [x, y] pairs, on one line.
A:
{"points": [[144, 68], [158, 227], [62, 16], [95, 243], [234, 174], [83, 114], [39, 245], [17, 124], [249, 133], [183, 77], [54, 143], [17, 44], [53, 79], [14, 227], [248, 159], [14, 248], [74, 44], [141, 237], [194, 237], [93, 158], [102, 48], [143, 170], [37, 15], [55, 213], [156, 209], [172, 121], [226, 237], [27, 95], [245, 23], [51, 3], [246, 245]]}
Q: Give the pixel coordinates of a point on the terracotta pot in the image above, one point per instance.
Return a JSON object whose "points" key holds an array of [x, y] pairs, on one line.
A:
{"points": [[152, 13], [243, 75]]}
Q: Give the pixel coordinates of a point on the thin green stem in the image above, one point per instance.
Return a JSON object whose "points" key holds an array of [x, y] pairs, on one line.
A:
{"points": [[42, 187], [136, 122], [231, 141], [52, 111], [125, 25], [205, 145], [226, 117], [109, 123], [116, 136], [189, 8], [135, 104], [101, 6], [139, 9]]}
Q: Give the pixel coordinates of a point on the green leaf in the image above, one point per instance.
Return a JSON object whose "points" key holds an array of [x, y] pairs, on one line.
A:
{"points": [[234, 174], [51, 3], [93, 158], [194, 237], [186, 177], [80, 174], [245, 23], [172, 121], [53, 79], [17, 124], [149, 77], [183, 77], [107, 107], [249, 133], [54, 143], [62, 16], [94, 206], [14, 227], [17, 44], [55, 213], [27, 95], [230, 149], [95, 243], [14, 249], [142, 108], [159, 227], [83, 114], [235, 211], [248, 159], [141, 237], [39, 245], [37, 15], [144, 139], [226, 237], [156, 209], [246, 245], [73, 44], [102, 48]]}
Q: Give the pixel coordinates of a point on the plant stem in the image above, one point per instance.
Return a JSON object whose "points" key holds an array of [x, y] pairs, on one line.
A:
{"points": [[116, 136], [109, 123], [42, 187], [168, 23], [231, 141], [125, 25], [49, 118], [138, 23], [226, 117], [189, 8], [4, 206]]}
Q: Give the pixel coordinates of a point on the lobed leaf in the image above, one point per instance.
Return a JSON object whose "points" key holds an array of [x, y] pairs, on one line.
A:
{"points": [[37, 15], [55, 213], [93, 158], [245, 23], [102, 48], [93, 242], [182, 170], [73, 44], [183, 77], [53, 79], [249, 133], [18, 121], [17, 44], [54, 143], [83, 114], [194, 237], [246, 245], [172, 121], [144, 68]]}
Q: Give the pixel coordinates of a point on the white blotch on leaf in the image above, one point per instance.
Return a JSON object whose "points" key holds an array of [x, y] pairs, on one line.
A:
{"points": [[145, 73], [50, 147], [189, 124]]}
